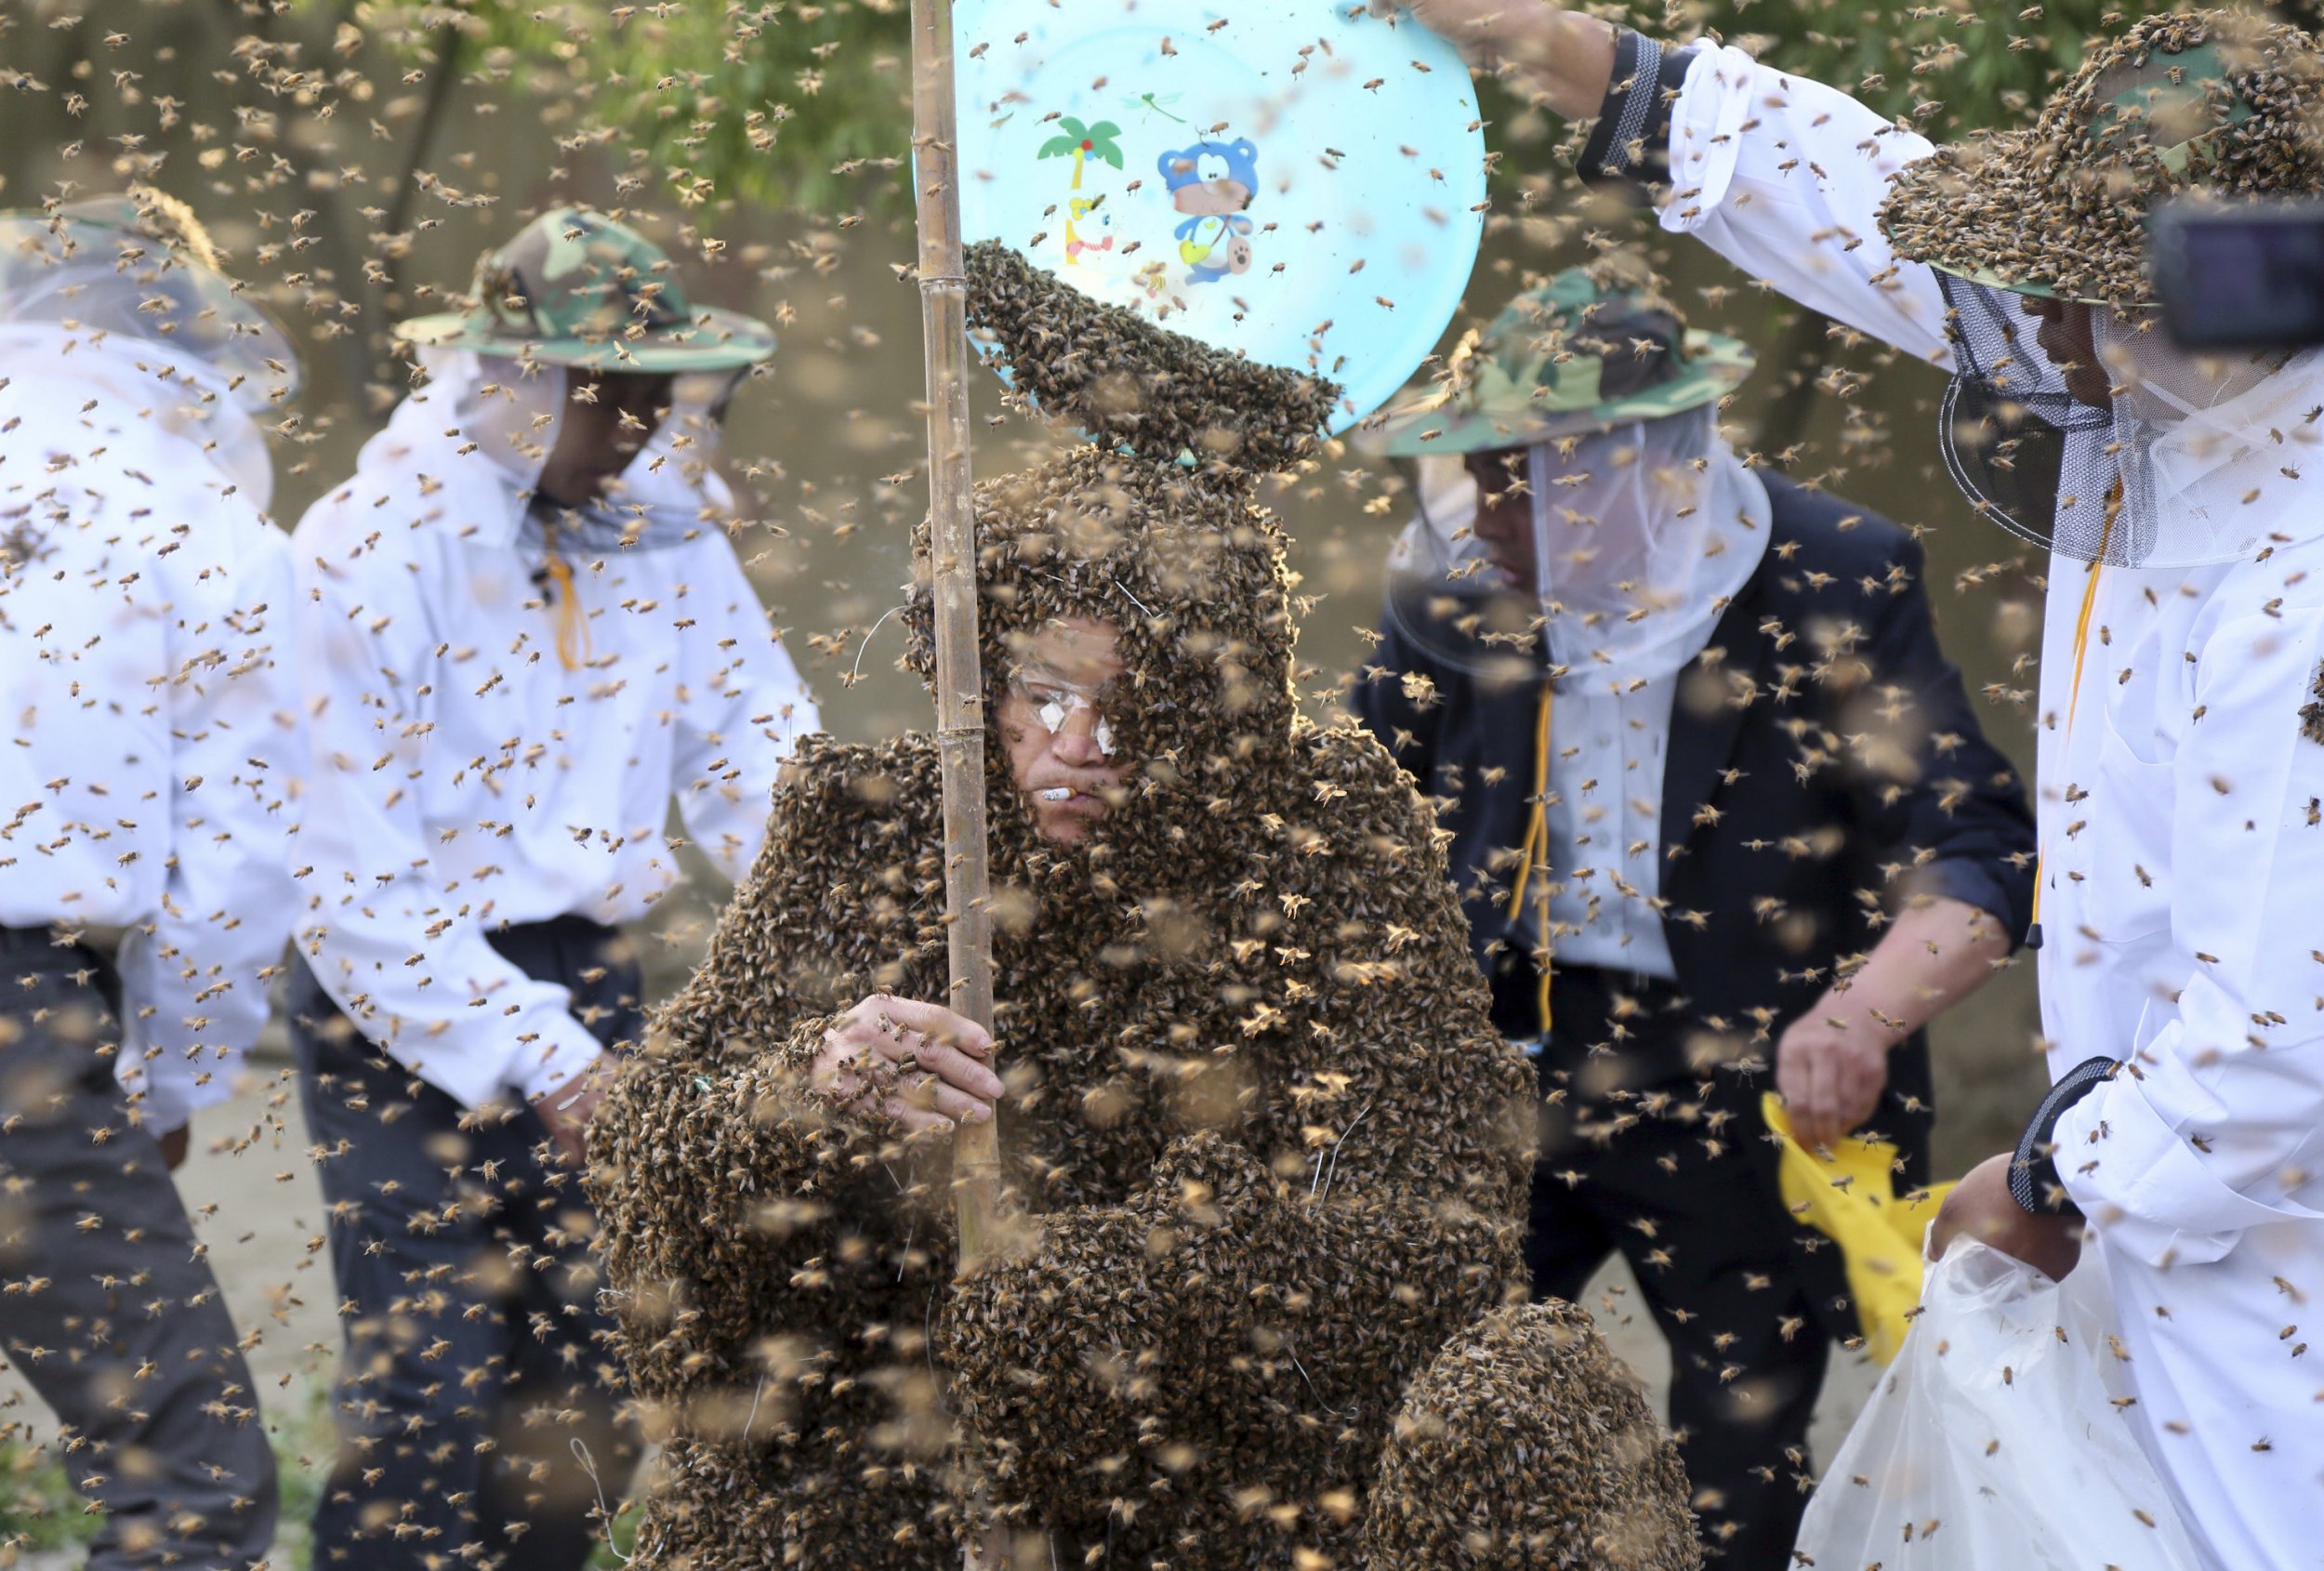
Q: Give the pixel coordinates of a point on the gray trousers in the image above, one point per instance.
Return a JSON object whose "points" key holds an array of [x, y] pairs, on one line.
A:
{"points": [[107, 1307]]}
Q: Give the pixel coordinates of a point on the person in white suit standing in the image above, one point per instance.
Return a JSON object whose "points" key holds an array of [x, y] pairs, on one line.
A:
{"points": [[2181, 745], [147, 749], [524, 633]]}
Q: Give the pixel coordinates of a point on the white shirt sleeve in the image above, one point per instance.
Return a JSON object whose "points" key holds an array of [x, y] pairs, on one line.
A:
{"points": [[391, 940], [1782, 176], [2221, 1127], [745, 707], [194, 979]]}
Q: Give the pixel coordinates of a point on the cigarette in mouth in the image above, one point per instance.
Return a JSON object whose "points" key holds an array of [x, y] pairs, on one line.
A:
{"points": [[1057, 794]]}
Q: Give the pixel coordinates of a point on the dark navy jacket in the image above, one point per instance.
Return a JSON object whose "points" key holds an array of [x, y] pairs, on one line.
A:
{"points": [[1823, 759]]}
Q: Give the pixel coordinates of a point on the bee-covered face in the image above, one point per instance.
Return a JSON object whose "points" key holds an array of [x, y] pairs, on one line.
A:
{"points": [[1061, 747]]}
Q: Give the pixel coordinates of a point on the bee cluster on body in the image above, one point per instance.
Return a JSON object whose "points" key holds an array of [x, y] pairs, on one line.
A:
{"points": [[1267, 1153], [2079, 222]]}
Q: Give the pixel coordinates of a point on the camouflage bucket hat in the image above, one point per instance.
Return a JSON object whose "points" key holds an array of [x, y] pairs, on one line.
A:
{"points": [[1575, 354], [2209, 105], [575, 288]]}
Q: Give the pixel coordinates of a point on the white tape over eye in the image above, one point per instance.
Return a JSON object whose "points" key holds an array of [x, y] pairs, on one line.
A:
{"points": [[1054, 711]]}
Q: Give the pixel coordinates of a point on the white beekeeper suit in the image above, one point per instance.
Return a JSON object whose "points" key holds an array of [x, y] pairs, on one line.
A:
{"points": [[504, 697], [148, 758], [497, 737], [2181, 753], [145, 668]]}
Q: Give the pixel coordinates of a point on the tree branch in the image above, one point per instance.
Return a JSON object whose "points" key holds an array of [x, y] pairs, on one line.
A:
{"points": [[441, 81]]}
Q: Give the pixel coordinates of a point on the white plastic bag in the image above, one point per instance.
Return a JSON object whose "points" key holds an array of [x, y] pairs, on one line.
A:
{"points": [[1994, 1440]]}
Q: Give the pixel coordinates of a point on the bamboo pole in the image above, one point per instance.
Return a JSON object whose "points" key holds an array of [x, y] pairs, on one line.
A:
{"points": [[952, 571]]}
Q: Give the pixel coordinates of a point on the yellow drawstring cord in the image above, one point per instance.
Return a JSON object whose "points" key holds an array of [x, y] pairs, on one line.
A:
{"points": [[573, 628], [1537, 846], [2074, 692]]}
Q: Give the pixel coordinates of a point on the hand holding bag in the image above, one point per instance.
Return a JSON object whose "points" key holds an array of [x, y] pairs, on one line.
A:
{"points": [[1995, 1439]]}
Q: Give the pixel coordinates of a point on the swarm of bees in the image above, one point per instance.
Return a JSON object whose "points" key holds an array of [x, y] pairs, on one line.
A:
{"points": [[1591, 1478], [2067, 202], [1271, 1149]]}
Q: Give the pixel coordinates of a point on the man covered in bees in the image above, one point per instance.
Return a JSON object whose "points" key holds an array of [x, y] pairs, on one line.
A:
{"points": [[1271, 1152]]}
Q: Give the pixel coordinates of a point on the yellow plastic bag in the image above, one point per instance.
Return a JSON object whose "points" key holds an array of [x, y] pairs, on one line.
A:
{"points": [[1850, 1197]]}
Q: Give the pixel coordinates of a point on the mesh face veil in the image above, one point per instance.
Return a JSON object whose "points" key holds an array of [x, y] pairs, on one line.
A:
{"points": [[1641, 536], [94, 293], [91, 269], [671, 491], [148, 383], [2027, 454], [2204, 443], [1446, 597], [2162, 477], [512, 412], [508, 410]]}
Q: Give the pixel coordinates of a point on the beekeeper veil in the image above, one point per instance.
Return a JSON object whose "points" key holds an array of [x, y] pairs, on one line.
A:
{"points": [[1588, 410], [2161, 474], [2168, 463], [2210, 445], [1642, 535], [505, 413], [125, 296], [574, 291]]}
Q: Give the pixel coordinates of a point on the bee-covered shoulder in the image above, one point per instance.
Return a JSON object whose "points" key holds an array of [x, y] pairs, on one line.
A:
{"points": [[808, 930], [834, 795], [1362, 798], [869, 775]]}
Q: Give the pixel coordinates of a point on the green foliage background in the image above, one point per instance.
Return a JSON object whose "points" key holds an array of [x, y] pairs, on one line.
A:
{"points": [[757, 101], [762, 101]]}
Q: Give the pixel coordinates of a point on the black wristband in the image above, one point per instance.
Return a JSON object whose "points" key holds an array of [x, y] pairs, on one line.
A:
{"points": [[1631, 142], [2035, 1180]]}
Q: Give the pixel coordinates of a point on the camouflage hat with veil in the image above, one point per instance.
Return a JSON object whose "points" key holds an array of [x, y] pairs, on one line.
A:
{"points": [[575, 291], [1598, 406]]}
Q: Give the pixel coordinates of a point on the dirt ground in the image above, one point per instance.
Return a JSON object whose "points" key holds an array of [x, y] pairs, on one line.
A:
{"points": [[258, 1211]]}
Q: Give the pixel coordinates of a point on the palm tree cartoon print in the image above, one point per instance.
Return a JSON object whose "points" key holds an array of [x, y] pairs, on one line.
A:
{"points": [[1082, 144]]}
